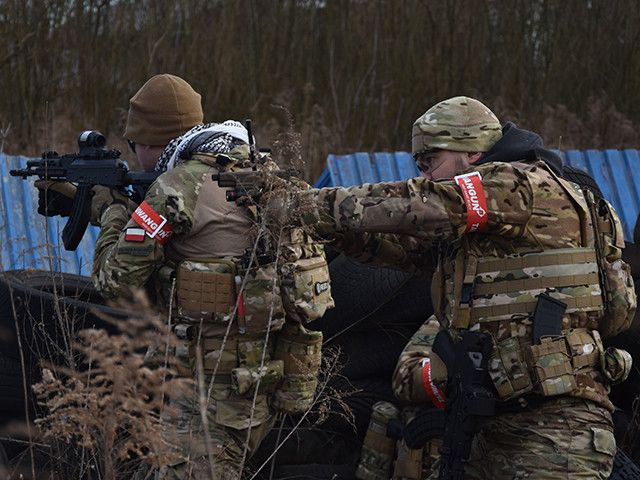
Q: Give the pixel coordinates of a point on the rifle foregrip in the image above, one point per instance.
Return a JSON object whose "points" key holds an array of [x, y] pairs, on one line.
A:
{"points": [[75, 227]]}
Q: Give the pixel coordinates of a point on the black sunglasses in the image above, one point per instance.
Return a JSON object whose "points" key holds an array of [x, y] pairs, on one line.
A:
{"points": [[132, 145]]}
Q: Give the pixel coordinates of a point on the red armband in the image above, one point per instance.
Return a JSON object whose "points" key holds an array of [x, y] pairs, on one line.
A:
{"points": [[475, 201], [435, 394], [154, 224]]}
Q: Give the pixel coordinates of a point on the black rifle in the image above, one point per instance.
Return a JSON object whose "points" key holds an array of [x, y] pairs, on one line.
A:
{"points": [[469, 399], [93, 165], [249, 183]]}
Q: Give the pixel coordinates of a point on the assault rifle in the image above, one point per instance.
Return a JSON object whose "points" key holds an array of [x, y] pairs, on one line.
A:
{"points": [[469, 400], [93, 165]]}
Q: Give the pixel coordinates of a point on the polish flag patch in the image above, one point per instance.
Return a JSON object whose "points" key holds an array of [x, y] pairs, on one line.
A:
{"points": [[154, 224], [134, 235], [475, 200]]}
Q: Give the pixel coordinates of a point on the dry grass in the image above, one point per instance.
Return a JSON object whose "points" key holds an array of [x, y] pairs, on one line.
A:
{"points": [[116, 403]]}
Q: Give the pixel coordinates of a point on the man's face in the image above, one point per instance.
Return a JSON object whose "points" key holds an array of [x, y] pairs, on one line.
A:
{"points": [[443, 164], [147, 155]]}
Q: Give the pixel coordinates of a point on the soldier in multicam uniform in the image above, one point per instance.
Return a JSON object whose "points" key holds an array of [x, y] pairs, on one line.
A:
{"points": [[507, 228], [240, 320]]}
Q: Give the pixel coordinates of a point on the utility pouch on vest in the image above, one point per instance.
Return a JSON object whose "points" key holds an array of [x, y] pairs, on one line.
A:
{"points": [[244, 380], [583, 349], [408, 464], [552, 367], [261, 301], [376, 456], [508, 369], [620, 300], [205, 289], [306, 290], [301, 352], [409, 461], [615, 363]]}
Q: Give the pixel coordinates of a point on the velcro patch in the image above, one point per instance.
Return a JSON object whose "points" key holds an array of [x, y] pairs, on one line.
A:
{"points": [[134, 235], [154, 224], [475, 200]]}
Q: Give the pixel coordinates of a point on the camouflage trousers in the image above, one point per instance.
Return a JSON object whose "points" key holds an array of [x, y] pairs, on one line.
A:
{"points": [[217, 451], [566, 438]]}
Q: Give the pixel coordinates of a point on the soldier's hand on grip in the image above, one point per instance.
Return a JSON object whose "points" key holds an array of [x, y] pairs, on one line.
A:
{"points": [[104, 197], [55, 198]]}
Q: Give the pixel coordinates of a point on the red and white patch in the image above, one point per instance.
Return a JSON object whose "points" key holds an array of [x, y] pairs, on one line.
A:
{"points": [[435, 394], [154, 224], [134, 235], [475, 200]]}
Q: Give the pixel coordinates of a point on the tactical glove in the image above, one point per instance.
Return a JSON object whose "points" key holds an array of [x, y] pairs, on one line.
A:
{"points": [[104, 197], [55, 198]]}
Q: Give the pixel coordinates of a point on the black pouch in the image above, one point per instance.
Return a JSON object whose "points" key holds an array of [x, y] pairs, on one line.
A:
{"points": [[547, 318]]}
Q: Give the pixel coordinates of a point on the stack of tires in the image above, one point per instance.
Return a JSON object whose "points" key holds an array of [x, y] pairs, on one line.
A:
{"points": [[377, 311]]}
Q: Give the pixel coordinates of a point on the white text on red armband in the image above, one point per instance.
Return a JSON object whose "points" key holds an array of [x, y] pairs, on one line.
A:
{"points": [[475, 201], [435, 394], [153, 223]]}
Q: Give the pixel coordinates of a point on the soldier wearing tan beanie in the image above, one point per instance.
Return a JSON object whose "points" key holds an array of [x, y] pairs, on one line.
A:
{"points": [[164, 108]]}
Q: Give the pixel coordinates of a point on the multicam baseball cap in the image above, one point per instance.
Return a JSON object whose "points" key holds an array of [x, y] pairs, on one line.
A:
{"points": [[460, 124]]}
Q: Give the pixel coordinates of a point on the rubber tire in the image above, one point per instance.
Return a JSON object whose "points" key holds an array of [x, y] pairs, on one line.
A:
{"points": [[624, 468], [362, 355], [315, 472], [360, 291], [11, 390], [36, 296]]}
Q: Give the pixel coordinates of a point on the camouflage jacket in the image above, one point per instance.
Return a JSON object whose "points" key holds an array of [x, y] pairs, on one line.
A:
{"points": [[528, 211], [202, 223]]}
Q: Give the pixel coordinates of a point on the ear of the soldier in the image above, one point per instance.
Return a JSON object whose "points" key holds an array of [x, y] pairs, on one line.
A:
{"points": [[474, 157]]}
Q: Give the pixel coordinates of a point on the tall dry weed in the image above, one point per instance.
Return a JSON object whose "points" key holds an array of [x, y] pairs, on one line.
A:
{"points": [[115, 405]]}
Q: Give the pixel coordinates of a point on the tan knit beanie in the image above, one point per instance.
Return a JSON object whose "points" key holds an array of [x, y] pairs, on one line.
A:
{"points": [[163, 109]]}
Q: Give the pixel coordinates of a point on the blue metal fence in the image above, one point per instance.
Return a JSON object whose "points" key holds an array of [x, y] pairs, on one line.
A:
{"points": [[29, 240], [617, 172]]}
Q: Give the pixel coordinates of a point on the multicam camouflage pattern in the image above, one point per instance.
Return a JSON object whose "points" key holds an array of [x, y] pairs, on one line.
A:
{"points": [[460, 124], [209, 236], [407, 378], [227, 431], [528, 212], [564, 438], [621, 301], [267, 378], [120, 266], [378, 450], [301, 352], [306, 288], [263, 307]]}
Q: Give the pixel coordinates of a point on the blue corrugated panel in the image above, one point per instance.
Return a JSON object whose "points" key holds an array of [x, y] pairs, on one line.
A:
{"points": [[615, 171], [30, 240]]}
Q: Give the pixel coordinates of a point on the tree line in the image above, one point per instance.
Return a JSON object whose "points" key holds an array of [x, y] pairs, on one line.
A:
{"points": [[347, 75]]}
